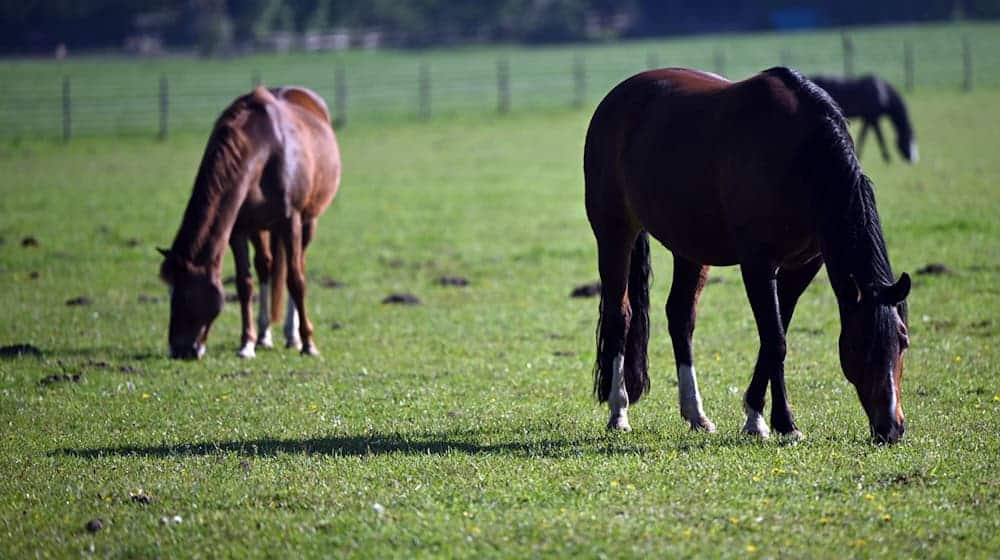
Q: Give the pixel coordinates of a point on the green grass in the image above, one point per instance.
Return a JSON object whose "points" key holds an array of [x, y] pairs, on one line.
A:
{"points": [[469, 418], [121, 95]]}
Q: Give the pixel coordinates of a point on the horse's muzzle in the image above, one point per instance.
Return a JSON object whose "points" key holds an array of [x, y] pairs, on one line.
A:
{"points": [[187, 352], [888, 432]]}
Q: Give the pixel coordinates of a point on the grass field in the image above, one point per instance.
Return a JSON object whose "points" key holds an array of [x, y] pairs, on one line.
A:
{"points": [[465, 426]]}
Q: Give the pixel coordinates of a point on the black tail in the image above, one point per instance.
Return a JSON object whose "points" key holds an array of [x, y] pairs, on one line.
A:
{"points": [[614, 337]]}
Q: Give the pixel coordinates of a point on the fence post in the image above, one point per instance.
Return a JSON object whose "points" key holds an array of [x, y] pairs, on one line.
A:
{"points": [[652, 61], [503, 86], [424, 94], [255, 79], [67, 124], [164, 106], [966, 64], [720, 62], [908, 65], [579, 81], [339, 96], [848, 44]]}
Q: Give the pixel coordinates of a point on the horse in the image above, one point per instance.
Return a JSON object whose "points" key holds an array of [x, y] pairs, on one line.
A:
{"points": [[270, 168], [762, 174], [870, 97]]}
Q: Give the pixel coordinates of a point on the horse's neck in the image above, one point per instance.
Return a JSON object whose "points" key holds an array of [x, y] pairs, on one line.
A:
{"points": [[210, 216], [897, 114], [852, 242]]}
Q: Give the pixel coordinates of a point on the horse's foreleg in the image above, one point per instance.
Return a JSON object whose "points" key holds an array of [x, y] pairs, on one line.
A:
{"points": [[865, 126], [759, 279], [244, 289], [881, 140], [689, 279], [262, 264], [790, 285], [297, 283]]}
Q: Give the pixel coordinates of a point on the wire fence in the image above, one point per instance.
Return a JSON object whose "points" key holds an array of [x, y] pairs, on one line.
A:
{"points": [[101, 96]]}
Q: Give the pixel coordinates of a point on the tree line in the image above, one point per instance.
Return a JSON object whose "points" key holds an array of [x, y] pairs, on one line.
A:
{"points": [[33, 26]]}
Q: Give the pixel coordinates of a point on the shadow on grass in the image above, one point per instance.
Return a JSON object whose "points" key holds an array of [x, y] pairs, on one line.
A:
{"points": [[463, 442]]}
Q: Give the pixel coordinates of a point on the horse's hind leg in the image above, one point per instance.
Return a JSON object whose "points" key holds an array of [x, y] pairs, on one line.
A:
{"points": [[262, 264], [790, 285], [689, 279], [293, 243], [244, 289], [620, 369]]}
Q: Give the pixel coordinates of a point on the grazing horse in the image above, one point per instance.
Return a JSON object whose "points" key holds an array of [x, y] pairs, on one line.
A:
{"points": [[271, 167], [762, 174], [870, 97]]}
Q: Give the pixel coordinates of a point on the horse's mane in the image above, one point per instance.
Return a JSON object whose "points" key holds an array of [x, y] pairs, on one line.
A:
{"points": [[222, 168], [850, 229]]}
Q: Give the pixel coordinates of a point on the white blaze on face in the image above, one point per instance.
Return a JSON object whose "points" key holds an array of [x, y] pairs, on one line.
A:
{"points": [[892, 396], [618, 399]]}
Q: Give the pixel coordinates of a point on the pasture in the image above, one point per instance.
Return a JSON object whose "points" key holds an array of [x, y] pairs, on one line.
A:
{"points": [[465, 426]]}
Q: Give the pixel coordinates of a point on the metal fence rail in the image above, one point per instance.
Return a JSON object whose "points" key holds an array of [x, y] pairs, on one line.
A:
{"points": [[122, 96]]}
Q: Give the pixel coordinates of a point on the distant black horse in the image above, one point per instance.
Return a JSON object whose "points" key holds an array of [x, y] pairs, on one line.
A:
{"points": [[869, 97]]}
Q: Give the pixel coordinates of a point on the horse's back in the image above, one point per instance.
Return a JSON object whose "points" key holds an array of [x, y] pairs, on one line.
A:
{"points": [[696, 158]]}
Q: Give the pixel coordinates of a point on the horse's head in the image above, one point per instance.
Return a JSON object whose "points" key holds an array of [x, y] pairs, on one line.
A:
{"points": [[196, 299], [908, 147], [873, 338]]}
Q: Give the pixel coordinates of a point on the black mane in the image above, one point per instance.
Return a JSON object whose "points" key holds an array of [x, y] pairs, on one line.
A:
{"points": [[844, 200]]}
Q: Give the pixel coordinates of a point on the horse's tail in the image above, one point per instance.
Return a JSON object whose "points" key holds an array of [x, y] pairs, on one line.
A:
{"points": [[613, 336], [279, 275]]}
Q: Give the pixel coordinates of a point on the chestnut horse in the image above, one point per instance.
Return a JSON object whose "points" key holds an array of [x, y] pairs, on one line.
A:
{"points": [[762, 174], [271, 167], [869, 98]]}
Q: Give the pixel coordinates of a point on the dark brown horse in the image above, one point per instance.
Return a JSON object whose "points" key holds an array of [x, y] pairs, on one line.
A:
{"points": [[870, 98], [761, 174], [270, 168]]}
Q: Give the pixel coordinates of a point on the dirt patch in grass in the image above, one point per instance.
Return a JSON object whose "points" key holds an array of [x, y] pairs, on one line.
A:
{"points": [[16, 350], [401, 299], [590, 290]]}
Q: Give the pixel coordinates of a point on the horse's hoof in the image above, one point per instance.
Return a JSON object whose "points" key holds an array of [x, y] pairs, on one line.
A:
{"points": [[792, 436], [702, 424], [265, 341], [247, 351], [296, 344], [310, 351], [619, 424]]}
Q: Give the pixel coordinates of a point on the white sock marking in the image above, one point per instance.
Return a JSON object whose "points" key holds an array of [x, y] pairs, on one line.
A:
{"points": [[618, 399], [264, 317], [247, 351], [292, 338], [690, 398], [755, 424], [914, 152]]}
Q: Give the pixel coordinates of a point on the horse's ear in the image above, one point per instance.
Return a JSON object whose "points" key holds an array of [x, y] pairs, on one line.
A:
{"points": [[164, 252], [897, 292]]}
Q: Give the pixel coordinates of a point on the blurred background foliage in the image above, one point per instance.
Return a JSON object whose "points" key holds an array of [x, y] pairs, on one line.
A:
{"points": [[226, 26]]}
